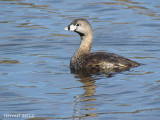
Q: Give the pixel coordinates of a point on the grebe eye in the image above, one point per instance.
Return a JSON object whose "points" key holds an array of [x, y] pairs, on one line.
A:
{"points": [[77, 24]]}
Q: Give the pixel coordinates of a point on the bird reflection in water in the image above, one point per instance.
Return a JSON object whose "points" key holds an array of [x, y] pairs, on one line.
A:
{"points": [[85, 104]]}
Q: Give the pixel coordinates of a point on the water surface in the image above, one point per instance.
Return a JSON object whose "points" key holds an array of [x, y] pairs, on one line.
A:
{"points": [[35, 51]]}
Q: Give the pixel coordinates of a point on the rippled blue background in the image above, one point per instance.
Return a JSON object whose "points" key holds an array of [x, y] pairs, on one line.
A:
{"points": [[35, 52]]}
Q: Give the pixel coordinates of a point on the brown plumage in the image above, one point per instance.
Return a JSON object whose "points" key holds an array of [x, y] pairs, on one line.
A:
{"points": [[83, 59]]}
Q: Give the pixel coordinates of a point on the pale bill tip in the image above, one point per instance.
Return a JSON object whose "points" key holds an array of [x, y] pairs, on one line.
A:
{"points": [[66, 28]]}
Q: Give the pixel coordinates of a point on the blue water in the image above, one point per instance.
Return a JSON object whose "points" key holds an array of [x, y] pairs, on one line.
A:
{"points": [[35, 51]]}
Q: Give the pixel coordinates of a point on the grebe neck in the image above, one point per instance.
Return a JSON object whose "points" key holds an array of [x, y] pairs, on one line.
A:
{"points": [[86, 43]]}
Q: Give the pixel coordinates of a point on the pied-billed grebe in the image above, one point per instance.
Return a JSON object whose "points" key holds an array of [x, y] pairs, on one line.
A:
{"points": [[83, 59]]}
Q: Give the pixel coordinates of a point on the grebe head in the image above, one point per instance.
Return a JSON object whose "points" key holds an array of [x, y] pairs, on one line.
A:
{"points": [[81, 26]]}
